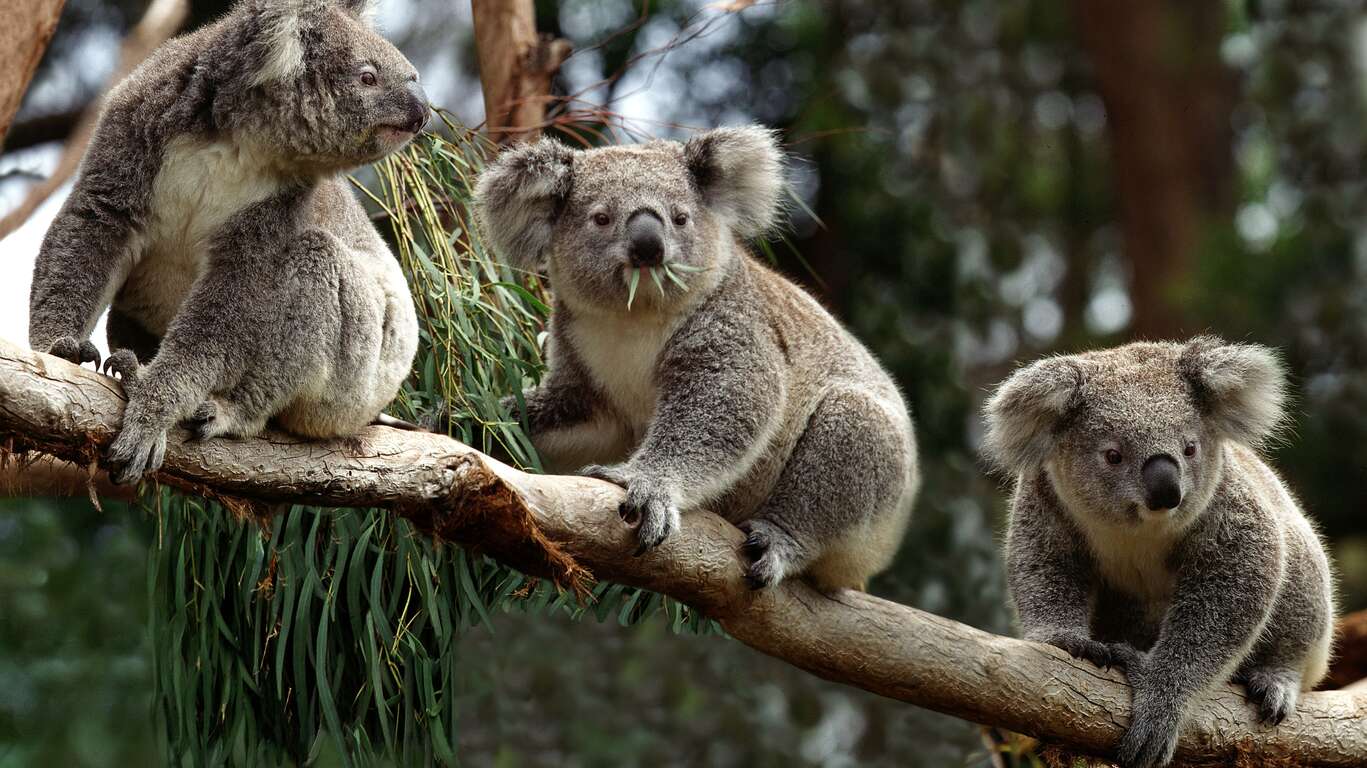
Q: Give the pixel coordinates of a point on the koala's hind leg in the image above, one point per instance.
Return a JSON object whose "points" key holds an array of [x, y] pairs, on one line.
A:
{"points": [[838, 509], [221, 417], [1292, 652]]}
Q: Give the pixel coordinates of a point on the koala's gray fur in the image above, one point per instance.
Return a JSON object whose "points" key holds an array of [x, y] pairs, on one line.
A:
{"points": [[211, 212], [741, 392], [1231, 582]]}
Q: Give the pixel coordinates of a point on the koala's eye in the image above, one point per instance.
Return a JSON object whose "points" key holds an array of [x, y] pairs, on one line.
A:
{"points": [[680, 219], [1190, 450], [368, 78], [1113, 457], [602, 219]]}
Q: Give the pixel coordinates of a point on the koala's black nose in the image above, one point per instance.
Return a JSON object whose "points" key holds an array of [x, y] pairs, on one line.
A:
{"points": [[645, 239], [417, 110], [1162, 482]]}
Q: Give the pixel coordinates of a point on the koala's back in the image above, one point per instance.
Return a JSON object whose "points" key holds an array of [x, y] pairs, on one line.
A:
{"points": [[198, 181], [1304, 606], [378, 331], [821, 357]]}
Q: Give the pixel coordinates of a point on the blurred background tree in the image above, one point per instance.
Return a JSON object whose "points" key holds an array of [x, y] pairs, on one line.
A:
{"points": [[983, 182]]}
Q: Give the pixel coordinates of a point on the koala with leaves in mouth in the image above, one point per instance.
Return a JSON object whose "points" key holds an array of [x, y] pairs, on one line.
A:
{"points": [[691, 374], [212, 213], [1147, 533]]}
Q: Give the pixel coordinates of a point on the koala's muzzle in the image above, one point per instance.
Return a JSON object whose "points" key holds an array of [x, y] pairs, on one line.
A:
{"points": [[416, 109], [645, 239], [1162, 482], [406, 108]]}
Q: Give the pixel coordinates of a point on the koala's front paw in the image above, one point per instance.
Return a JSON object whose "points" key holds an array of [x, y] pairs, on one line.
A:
{"points": [[139, 448], [1155, 719], [124, 365], [650, 505], [767, 552], [1149, 742], [616, 473], [70, 349], [1080, 646], [1272, 692]]}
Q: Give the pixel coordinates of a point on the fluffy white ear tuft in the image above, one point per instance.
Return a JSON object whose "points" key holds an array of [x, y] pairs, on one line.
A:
{"points": [[1024, 412], [520, 196], [1241, 388], [280, 39], [739, 172]]}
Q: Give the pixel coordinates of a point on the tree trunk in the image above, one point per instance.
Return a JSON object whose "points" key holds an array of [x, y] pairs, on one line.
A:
{"points": [[24, 36], [1168, 100], [562, 525], [515, 67]]}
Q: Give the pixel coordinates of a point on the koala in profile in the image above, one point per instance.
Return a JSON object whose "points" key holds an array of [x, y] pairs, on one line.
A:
{"points": [[718, 382], [1147, 533], [212, 213]]}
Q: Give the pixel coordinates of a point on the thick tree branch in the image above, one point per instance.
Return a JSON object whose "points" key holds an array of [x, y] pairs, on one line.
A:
{"points": [[458, 493]]}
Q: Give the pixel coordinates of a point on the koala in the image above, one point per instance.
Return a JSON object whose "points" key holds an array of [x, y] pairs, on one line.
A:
{"points": [[1147, 533], [686, 371], [244, 280]]}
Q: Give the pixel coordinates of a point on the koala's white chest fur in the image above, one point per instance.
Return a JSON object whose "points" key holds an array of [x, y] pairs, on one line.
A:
{"points": [[198, 188], [621, 353], [1133, 560]]}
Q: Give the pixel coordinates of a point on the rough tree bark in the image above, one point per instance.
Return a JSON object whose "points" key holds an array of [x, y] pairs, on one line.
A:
{"points": [[1168, 99], [161, 20], [560, 526], [515, 67], [24, 36]]}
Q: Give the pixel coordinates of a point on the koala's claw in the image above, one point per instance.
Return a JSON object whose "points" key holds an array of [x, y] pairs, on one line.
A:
{"points": [[71, 350], [124, 366], [1273, 695], [136, 451], [760, 550]]}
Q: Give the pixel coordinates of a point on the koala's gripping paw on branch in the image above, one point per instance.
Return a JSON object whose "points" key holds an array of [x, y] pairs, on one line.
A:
{"points": [[766, 552], [203, 420], [1155, 719], [124, 366], [68, 348], [140, 448], [1080, 646], [650, 506], [1149, 742], [1272, 693]]}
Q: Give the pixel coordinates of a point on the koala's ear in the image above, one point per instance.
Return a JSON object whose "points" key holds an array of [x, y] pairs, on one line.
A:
{"points": [[361, 9], [739, 173], [278, 45], [1240, 388], [520, 196], [1024, 412]]}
